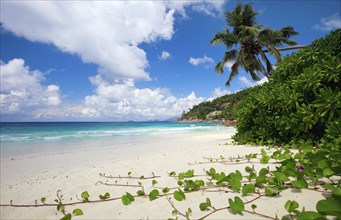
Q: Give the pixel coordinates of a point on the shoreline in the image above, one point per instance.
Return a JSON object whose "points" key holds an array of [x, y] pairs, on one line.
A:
{"points": [[26, 179]]}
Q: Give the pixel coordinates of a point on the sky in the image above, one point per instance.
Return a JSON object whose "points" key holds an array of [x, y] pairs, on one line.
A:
{"points": [[129, 60]]}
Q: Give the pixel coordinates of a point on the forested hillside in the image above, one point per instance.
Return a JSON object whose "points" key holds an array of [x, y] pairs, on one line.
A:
{"points": [[218, 109]]}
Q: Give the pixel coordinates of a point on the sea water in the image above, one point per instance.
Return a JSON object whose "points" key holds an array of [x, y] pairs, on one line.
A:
{"points": [[36, 137]]}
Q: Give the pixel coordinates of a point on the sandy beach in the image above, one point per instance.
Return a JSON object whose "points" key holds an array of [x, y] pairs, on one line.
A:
{"points": [[27, 178]]}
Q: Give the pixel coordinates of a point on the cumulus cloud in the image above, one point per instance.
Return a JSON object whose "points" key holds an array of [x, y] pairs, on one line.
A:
{"points": [[164, 55], [105, 33], [22, 90], [124, 101], [208, 7], [228, 65], [204, 61], [329, 23], [217, 92], [23, 94], [247, 83]]}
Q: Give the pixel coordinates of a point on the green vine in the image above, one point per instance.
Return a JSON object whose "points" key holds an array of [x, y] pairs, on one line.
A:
{"points": [[294, 171]]}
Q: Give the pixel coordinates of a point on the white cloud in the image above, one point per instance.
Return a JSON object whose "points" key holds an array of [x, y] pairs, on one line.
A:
{"points": [[124, 101], [105, 33], [164, 55], [208, 7], [22, 94], [203, 61], [21, 89], [329, 23], [247, 83], [229, 64], [217, 92]]}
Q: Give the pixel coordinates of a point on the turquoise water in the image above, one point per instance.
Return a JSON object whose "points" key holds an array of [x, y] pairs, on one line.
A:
{"points": [[33, 137]]}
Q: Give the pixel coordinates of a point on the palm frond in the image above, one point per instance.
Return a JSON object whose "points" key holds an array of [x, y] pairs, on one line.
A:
{"points": [[252, 41], [248, 31], [219, 68], [267, 62], [233, 18], [225, 38], [254, 76], [288, 32], [289, 42], [274, 51], [269, 36], [218, 38], [230, 55], [249, 15], [233, 73]]}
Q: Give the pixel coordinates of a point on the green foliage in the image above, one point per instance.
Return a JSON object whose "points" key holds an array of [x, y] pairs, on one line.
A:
{"points": [[189, 174], [127, 199], [291, 206], [253, 206], [236, 206], [309, 215], [85, 196], [336, 193], [329, 207], [205, 205], [246, 42], [270, 191], [300, 182], [265, 158], [248, 188], [140, 193], [299, 107], [179, 195], [226, 104], [300, 103], [105, 196], [235, 180], [193, 185], [67, 217], [153, 194], [77, 212], [43, 199], [165, 190]]}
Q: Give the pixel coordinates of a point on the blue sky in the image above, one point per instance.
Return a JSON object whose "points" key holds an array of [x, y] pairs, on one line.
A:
{"points": [[119, 60]]}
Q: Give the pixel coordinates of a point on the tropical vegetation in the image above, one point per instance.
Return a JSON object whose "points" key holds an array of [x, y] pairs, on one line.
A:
{"points": [[225, 105], [248, 42], [301, 101]]}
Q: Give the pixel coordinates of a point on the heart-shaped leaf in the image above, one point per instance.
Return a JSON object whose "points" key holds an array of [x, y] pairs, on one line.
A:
{"points": [[153, 194], [248, 188]]}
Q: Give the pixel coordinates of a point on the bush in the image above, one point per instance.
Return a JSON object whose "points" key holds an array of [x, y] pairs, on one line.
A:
{"points": [[302, 100]]}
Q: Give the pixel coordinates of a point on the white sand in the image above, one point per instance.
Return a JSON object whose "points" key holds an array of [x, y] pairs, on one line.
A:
{"points": [[28, 178]]}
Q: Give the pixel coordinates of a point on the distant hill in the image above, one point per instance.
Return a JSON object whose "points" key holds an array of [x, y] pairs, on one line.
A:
{"points": [[220, 109]]}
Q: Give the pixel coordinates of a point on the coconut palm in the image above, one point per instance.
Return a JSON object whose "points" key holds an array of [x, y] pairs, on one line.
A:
{"points": [[248, 42]]}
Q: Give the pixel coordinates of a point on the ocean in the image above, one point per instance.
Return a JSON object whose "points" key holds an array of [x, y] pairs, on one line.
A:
{"points": [[37, 137]]}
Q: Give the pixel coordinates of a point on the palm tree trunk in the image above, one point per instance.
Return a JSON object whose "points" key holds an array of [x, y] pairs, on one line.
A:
{"points": [[288, 48]]}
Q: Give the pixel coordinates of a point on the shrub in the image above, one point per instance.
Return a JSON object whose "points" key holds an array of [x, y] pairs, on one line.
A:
{"points": [[302, 100]]}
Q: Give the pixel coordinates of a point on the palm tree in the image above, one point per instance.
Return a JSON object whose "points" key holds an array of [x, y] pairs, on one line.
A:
{"points": [[248, 42]]}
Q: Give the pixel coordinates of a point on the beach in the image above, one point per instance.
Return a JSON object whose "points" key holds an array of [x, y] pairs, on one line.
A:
{"points": [[29, 177]]}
